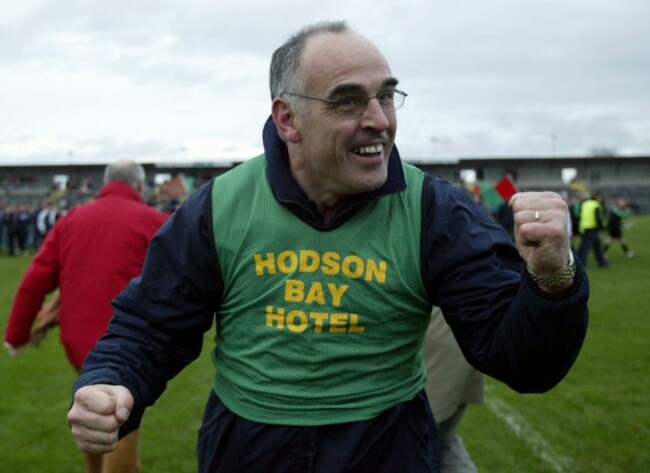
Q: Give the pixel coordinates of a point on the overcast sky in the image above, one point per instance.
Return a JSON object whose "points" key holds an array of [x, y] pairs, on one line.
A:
{"points": [[187, 80]]}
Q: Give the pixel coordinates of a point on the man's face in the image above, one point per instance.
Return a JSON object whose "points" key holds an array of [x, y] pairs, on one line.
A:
{"points": [[340, 155]]}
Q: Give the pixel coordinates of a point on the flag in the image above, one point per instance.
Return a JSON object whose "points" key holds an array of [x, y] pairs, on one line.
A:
{"points": [[495, 195], [490, 196], [506, 188]]}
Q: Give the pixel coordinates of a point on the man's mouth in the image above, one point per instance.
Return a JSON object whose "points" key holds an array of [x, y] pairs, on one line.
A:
{"points": [[369, 151]]}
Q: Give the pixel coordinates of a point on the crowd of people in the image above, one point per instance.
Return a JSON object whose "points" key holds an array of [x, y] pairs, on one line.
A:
{"points": [[591, 217], [23, 227]]}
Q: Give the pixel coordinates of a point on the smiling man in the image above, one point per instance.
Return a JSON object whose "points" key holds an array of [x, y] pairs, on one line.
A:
{"points": [[341, 139], [320, 261]]}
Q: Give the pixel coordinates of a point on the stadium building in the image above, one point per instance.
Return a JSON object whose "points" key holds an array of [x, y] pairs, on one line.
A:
{"points": [[626, 177]]}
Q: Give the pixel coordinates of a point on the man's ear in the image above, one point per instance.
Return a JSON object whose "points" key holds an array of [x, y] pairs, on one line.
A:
{"points": [[285, 120]]}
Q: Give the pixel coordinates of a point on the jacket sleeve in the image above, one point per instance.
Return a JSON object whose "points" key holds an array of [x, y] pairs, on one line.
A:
{"points": [[160, 318], [40, 279], [505, 326]]}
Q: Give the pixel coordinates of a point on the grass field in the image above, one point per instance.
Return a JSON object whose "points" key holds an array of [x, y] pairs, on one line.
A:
{"points": [[596, 420]]}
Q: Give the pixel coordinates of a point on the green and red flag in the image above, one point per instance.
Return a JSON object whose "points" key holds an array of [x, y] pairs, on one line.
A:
{"points": [[495, 195]]}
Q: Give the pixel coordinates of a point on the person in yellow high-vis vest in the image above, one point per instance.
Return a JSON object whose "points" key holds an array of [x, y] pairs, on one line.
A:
{"points": [[592, 215]]}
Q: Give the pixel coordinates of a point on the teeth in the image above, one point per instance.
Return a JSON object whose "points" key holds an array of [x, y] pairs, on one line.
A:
{"points": [[374, 149]]}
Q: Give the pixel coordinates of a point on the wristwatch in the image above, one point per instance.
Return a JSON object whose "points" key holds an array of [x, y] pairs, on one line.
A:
{"points": [[558, 279]]}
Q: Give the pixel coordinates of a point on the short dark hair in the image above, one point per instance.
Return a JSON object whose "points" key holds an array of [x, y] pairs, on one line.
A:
{"points": [[285, 75]]}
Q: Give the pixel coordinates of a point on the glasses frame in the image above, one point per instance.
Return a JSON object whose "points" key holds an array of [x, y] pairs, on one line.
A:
{"points": [[335, 103]]}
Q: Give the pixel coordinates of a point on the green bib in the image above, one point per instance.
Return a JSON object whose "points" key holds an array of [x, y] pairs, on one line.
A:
{"points": [[317, 327]]}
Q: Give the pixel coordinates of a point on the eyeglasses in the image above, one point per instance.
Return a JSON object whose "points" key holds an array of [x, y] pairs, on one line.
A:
{"points": [[354, 105]]}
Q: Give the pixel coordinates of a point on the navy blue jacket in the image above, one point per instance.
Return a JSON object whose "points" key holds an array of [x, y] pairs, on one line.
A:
{"points": [[506, 327]]}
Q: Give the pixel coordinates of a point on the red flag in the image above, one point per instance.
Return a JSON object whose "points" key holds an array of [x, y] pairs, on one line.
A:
{"points": [[506, 188]]}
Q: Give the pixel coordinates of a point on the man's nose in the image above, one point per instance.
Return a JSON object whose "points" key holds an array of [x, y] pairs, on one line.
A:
{"points": [[374, 116]]}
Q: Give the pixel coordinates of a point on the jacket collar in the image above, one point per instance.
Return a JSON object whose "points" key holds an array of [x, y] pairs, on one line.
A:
{"points": [[119, 189]]}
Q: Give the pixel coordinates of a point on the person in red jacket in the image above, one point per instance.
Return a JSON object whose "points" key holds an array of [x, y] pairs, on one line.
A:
{"points": [[89, 255]]}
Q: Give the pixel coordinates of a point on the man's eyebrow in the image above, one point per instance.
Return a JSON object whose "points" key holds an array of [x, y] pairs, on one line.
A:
{"points": [[390, 82], [345, 89]]}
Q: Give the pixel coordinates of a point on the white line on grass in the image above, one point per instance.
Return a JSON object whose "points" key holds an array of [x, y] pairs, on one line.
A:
{"points": [[525, 432]]}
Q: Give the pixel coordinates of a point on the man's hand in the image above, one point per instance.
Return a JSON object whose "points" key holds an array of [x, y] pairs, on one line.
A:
{"points": [[541, 231], [13, 350], [46, 319], [97, 413]]}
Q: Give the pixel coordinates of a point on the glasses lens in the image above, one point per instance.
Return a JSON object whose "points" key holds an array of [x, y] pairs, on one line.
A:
{"points": [[351, 104], [357, 104], [397, 99], [387, 101]]}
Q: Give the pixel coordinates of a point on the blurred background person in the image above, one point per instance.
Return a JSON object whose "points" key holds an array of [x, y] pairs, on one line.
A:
{"points": [[43, 220], [89, 255], [504, 216], [618, 212], [452, 384], [4, 238], [592, 219], [23, 219]]}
